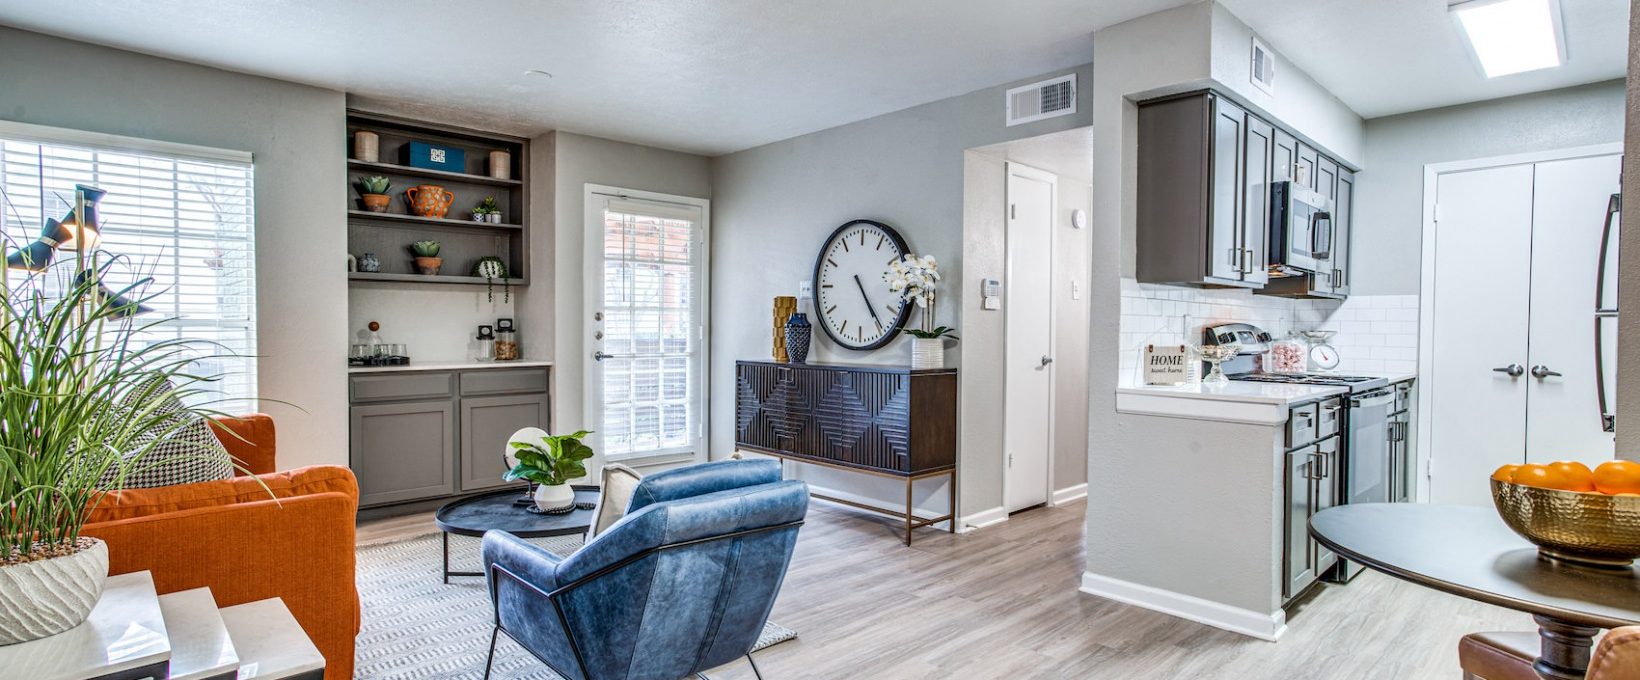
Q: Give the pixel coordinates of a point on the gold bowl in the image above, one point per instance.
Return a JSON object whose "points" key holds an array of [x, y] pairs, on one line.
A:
{"points": [[1586, 528]]}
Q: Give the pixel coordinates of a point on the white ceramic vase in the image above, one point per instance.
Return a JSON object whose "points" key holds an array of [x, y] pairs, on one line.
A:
{"points": [[553, 497], [927, 353], [47, 597]]}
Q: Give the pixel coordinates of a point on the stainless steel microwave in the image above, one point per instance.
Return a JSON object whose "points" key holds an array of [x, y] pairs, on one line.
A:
{"points": [[1301, 229]]}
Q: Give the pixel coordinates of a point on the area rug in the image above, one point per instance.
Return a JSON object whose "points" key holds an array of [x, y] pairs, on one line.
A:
{"points": [[416, 627]]}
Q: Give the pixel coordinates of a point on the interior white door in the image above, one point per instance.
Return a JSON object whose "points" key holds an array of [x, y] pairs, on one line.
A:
{"points": [[1028, 309], [646, 302], [1562, 404], [1483, 257]]}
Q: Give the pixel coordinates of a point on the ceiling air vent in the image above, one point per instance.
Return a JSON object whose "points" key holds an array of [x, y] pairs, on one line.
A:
{"points": [[1049, 98], [1264, 68]]}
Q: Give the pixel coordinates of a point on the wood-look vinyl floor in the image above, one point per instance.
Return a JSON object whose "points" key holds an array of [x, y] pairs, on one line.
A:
{"points": [[1002, 602]]}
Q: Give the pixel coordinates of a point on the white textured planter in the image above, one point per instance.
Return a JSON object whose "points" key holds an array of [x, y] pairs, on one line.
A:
{"points": [[47, 597], [927, 353], [555, 497]]}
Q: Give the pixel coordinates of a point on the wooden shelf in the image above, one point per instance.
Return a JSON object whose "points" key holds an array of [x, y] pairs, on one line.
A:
{"points": [[432, 174], [402, 218], [423, 278]]}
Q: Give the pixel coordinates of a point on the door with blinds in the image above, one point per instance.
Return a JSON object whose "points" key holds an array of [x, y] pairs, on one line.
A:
{"points": [[646, 302]]}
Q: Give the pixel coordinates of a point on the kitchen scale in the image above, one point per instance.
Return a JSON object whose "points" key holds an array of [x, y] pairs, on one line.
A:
{"points": [[1323, 356]]}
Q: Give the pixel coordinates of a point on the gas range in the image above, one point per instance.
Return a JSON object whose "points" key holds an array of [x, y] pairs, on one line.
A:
{"points": [[1356, 383]]}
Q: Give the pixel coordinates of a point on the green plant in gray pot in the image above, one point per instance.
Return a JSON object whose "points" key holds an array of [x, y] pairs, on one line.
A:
{"points": [[551, 465], [427, 259]]}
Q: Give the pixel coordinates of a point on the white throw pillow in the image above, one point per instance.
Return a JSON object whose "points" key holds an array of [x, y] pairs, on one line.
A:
{"points": [[619, 482]]}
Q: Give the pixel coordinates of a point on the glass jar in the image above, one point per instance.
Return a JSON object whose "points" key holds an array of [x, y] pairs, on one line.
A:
{"points": [[486, 343], [506, 341], [1287, 355]]}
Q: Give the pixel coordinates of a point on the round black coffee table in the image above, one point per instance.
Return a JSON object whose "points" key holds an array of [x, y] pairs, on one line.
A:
{"points": [[1470, 552], [504, 510]]}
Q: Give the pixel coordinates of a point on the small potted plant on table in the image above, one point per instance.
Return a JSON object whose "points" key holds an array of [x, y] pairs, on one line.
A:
{"points": [[915, 279], [427, 259], [373, 193], [551, 465]]}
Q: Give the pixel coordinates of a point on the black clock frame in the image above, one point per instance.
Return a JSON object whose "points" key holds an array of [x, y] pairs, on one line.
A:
{"points": [[905, 306]]}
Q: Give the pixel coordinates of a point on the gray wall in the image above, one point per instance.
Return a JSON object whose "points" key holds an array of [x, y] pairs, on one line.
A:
{"points": [[1390, 190], [1628, 288], [774, 204], [555, 304], [295, 134]]}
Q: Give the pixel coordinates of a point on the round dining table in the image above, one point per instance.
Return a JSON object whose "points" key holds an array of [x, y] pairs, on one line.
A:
{"points": [[1469, 552]]}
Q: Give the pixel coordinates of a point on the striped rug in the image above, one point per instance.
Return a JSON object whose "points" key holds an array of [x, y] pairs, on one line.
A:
{"points": [[416, 627]]}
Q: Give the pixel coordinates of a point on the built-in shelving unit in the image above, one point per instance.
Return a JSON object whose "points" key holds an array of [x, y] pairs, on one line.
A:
{"points": [[464, 241]]}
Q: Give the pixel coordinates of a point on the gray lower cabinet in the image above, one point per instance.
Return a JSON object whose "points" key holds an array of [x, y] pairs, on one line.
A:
{"points": [[403, 451], [486, 425], [1310, 487], [421, 435]]}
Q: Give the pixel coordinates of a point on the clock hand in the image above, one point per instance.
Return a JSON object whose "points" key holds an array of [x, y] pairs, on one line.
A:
{"points": [[869, 306]]}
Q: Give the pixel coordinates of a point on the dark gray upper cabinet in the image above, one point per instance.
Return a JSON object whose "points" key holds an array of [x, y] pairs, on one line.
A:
{"points": [[1304, 169], [1284, 167], [1196, 163], [1343, 223]]}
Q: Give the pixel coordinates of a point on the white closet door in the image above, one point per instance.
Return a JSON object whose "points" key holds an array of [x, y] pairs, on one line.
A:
{"points": [[1483, 256], [1563, 414]]}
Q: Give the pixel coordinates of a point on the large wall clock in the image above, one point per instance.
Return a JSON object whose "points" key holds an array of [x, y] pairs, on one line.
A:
{"points": [[852, 300]]}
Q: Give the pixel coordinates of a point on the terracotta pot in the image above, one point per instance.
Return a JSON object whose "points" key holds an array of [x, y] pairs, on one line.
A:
{"points": [[47, 597], [375, 202], [429, 265], [429, 200]]}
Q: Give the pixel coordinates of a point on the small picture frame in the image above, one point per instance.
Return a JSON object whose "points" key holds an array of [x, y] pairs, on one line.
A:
{"points": [[1166, 364]]}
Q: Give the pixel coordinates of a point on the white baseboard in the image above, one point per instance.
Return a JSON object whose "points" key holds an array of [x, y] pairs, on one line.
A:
{"points": [[1259, 625], [982, 519], [1070, 493], [867, 500]]}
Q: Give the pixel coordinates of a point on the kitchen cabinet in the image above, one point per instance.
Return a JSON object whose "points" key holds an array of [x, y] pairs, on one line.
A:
{"points": [[1284, 165], [1203, 192], [1333, 282], [420, 435], [1310, 486], [1304, 169]]}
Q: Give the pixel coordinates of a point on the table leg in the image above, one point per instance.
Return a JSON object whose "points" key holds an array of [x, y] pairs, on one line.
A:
{"points": [[446, 536], [1565, 651], [908, 516]]}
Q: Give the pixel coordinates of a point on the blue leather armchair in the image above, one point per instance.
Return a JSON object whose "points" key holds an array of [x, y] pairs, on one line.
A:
{"points": [[683, 583]]}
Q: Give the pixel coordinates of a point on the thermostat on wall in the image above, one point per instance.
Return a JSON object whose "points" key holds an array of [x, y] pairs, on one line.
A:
{"points": [[990, 293]]}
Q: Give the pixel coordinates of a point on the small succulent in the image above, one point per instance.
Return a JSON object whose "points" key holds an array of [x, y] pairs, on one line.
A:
{"points": [[488, 207], [425, 248], [491, 268], [374, 185]]}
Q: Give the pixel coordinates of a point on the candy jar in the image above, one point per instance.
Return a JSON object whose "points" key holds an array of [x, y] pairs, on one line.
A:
{"points": [[506, 341], [1287, 355]]}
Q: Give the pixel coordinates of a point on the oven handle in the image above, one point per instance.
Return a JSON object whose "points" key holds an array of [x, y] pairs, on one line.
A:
{"points": [[1373, 401]]}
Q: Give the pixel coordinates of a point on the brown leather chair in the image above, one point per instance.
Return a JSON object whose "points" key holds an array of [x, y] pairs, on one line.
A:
{"points": [[1509, 656]]}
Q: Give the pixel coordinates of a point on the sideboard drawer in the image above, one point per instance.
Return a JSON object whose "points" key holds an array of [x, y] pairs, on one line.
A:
{"points": [[503, 381], [401, 386]]}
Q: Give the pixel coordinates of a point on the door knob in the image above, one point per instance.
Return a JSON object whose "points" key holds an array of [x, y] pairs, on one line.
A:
{"points": [[1514, 370], [1046, 360], [600, 356], [1540, 372]]}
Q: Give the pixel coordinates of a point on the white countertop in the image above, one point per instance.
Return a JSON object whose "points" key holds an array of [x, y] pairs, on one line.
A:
{"points": [[450, 366], [1253, 403], [1282, 394]]}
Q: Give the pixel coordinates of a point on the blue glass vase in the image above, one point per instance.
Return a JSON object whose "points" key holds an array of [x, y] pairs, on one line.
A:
{"points": [[798, 334]]}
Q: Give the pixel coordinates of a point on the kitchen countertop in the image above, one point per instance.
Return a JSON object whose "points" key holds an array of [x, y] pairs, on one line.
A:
{"points": [[1234, 402], [467, 365]]}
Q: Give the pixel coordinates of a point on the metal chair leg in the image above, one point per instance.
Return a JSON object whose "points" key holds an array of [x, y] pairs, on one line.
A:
{"points": [[490, 661], [755, 671]]}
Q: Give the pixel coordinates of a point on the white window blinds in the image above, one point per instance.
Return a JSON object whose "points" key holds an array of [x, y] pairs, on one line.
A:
{"points": [[184, 219]]}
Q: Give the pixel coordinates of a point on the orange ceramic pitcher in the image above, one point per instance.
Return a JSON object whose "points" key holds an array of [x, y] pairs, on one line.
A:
{"points": [[429, 200]]}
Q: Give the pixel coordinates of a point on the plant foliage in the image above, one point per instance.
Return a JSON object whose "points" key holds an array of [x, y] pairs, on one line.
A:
{"points": [[940, 332], [425, 248], [556, 460], [374, 185]]}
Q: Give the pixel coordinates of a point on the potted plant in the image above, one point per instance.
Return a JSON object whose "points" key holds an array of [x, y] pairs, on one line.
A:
{"points": [[491, 268], [373, 193], [916, 279], [487, 211], [551, 465], [427, 259], [85, 391]]}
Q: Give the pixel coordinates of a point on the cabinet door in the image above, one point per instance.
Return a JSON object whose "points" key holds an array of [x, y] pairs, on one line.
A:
{"points": [[403, 452], [487, 423], [1225, 220], [1400, 479], [1298, 567], [1343, 218], [1284, 162], [1256, 200], [1304, 168], [1324, 495]]}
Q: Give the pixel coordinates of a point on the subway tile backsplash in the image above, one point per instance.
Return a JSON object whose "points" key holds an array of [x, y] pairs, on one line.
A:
{"points": [[1377, 333]]}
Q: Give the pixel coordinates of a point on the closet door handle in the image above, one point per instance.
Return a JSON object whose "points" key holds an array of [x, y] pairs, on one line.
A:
{"points": [[1540, 372], [1514, 370]]}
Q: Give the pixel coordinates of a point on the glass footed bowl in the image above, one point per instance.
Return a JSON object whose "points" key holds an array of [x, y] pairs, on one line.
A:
{"points": [[1215, 355]]}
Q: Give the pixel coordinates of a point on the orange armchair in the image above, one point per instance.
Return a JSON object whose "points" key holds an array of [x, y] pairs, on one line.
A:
{"points": [[246, 544]]}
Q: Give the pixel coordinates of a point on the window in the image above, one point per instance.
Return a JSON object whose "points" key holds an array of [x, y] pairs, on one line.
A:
{"points": [[182, 215]]}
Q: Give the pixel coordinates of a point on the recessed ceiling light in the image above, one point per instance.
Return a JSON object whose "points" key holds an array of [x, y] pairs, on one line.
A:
{"points": [[1511, 36], [537, 72]]}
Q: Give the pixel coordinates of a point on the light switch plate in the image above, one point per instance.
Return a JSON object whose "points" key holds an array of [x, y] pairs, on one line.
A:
{"points": [[1076, 290], [805, 289]]}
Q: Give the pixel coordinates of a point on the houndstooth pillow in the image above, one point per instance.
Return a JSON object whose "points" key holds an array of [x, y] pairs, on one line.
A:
{"points": [[189, 451]]}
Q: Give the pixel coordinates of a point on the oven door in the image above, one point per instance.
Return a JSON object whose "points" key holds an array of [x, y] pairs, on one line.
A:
{"points": [[1367, 472]]}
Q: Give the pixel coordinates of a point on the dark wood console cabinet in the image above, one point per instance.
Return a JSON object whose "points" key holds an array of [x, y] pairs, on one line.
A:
{"points": [[880, 420]]}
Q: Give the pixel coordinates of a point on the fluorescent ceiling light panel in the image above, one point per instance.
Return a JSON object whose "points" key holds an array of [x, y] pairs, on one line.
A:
{"points": [[1512, 36]]}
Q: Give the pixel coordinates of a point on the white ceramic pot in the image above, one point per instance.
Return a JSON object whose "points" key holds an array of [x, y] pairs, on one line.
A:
{"points": [[47, 597], [554, 497], [927, 353]]}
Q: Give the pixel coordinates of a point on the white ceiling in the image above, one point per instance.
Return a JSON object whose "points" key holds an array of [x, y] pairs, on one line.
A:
{"points": [[1382, 57], [715, 76]]}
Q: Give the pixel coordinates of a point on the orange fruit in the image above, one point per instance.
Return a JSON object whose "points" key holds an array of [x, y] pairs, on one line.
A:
{"points": [[1576, 476], [1505, 473], [1532, 474], [1617, 476]]}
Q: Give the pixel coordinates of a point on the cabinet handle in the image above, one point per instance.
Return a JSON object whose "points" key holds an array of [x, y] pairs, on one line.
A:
{"points": [[1247, 260], [1235, 258]]}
